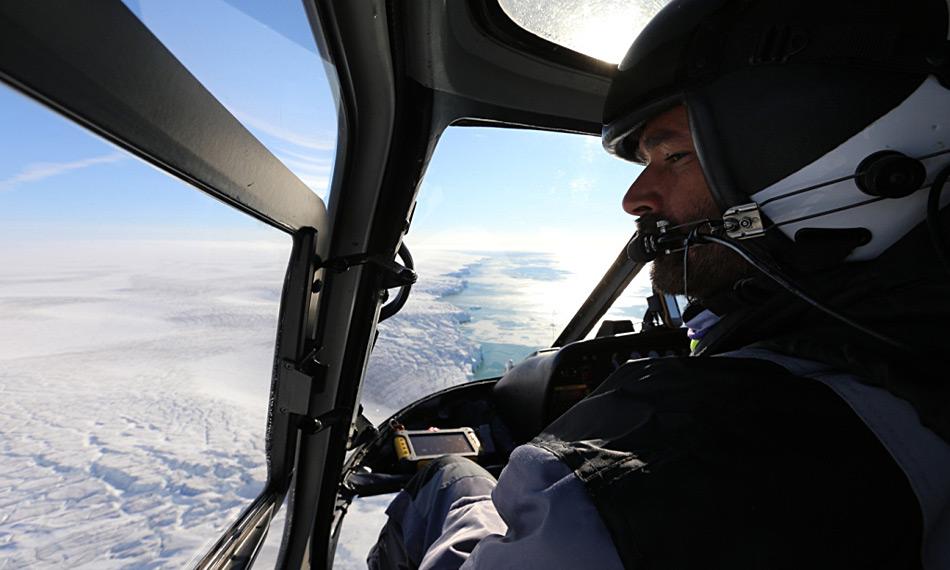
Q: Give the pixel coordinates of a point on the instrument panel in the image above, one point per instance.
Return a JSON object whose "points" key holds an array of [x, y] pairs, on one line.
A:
{"points": [[539, 389], [505, 413]]}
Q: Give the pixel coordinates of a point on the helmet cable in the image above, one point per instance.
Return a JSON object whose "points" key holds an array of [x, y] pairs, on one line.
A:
{"points": [[686, 266], [779, 277], [808, 189], [645, 246], [825, 213], [835, 181]]}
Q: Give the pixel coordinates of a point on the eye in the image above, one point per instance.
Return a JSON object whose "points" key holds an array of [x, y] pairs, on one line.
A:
{"points": [[676, 156]]}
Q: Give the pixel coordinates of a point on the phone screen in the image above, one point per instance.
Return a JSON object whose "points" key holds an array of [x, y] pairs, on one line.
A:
{"points": [[436, 443]]}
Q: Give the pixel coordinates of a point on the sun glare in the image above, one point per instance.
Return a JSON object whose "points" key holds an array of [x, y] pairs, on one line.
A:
{"points": [[599, 28], [603, 37]]}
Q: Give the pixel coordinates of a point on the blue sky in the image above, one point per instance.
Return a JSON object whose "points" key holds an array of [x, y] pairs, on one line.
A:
{"points": [[521, 189], [493, 188], [56, 176]]}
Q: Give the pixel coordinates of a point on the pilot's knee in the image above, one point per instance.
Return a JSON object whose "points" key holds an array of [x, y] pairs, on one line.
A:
{"points": [[444, 471]]}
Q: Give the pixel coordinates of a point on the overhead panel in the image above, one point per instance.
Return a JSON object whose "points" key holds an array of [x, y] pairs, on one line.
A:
{"points": [[98, 64]]}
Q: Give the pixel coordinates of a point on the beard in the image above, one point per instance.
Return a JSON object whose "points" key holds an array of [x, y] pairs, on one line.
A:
{"points": [[710, 269]]}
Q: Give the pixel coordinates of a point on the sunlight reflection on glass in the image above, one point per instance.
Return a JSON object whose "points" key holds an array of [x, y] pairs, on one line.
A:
{"points": [[599, 28]]}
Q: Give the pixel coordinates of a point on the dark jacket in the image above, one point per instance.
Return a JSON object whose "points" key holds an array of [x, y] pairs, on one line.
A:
{"points": [[803, 450]]}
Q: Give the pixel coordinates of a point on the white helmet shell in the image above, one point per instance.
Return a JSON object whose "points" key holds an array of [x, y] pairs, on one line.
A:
{"points": [[917, 127]]}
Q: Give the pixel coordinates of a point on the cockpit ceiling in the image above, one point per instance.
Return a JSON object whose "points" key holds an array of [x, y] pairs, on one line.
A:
{"points": [[496, 71]]}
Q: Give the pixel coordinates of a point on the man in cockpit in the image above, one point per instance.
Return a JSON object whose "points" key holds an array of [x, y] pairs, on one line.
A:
{"points": [[794, 153]]}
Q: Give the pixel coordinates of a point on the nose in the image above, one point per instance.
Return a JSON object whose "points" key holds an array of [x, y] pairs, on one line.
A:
{"points": [[642, 197]]}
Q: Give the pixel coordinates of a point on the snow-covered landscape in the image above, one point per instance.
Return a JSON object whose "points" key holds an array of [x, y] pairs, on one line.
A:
{"points": [[423, 348], [135, 378]]}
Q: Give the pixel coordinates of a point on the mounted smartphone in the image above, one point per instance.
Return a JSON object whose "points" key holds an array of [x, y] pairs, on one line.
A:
{"points": [[422, 445]]}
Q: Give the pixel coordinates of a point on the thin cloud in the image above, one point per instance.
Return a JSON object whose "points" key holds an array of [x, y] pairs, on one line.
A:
{"points": [[307, 166], [314, 172], [318, 184], [593, 148], [288, 135], [306, 157], [42, 170], [581, 187]]}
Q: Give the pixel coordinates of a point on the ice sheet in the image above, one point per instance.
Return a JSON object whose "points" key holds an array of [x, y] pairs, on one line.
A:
{"points": [[119, 447]]}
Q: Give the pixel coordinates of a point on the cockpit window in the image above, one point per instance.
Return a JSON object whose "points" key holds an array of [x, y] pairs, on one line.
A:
{"points": [[512, 230], [599, 28], [260, 60], [632, 305], [137, 326]]}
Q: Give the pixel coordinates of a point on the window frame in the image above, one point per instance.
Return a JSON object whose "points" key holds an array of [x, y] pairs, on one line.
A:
{"points": [[100, 67]]}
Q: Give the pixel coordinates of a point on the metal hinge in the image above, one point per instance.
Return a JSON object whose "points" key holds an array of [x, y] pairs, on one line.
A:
{"points": [[293, 393], [319, 423], [296, 382]]}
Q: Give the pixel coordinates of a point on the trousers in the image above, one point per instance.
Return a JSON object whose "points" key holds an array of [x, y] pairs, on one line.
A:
{"points": [[436, 521]]}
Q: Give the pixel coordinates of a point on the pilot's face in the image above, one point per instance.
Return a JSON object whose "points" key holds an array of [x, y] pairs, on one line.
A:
{"points": [[672, 187]]}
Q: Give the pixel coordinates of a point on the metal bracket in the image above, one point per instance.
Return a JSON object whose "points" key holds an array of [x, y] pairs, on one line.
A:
{"points": [[295, 383], [743, 222], [293, 393], [662, 310], [317, 424], [363, 431], [395, 275]]}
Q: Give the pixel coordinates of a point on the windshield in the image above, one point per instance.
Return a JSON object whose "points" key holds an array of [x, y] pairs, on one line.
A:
{"points": [[512, 230]]}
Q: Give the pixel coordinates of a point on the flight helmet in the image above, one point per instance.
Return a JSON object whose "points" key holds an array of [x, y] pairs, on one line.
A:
{"points": [[829, 114]]}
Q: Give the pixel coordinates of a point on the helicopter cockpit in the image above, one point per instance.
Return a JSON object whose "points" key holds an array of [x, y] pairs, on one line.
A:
{"points": [[456, 275], [460, 126]]}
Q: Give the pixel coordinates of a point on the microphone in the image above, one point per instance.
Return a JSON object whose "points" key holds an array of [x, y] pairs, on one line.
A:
{"points": [[652, 238], [655, 236]]}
